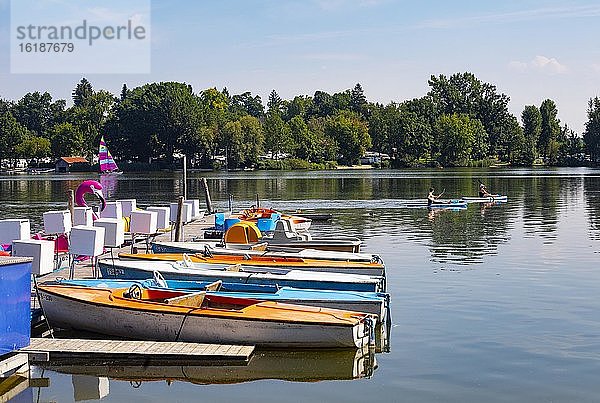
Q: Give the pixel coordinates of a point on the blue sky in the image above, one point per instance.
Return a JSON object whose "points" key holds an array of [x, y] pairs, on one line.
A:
{"points": [[531, 50]]}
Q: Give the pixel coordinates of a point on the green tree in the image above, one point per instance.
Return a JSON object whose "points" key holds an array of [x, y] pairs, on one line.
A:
{"points": [[246, 104], [124, 92], [33, 147], [299, 106], [459, 137], [351, 135], [277, 134], [12, 133], [522, 145], [233, 142], [253, 139], [400, 132], [324, 148], [591, 135], [38, 113], [463, 93], [82, 92], [5, 106], [322, 105], [66, 140], [550, 129], [532, 123], [243, 141], [156, 119], [571, 148], [358, 101], [304, 141], [274, 103], [90, 117]]}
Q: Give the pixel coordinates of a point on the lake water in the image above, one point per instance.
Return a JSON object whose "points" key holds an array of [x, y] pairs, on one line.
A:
{"points": [[496, 303]]}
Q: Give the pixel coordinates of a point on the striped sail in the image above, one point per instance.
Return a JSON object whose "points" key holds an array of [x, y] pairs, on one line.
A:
{"points": [[107, 163]]}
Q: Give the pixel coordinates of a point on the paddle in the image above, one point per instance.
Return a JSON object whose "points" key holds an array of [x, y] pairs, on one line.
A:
{"points": [[440, 195]]}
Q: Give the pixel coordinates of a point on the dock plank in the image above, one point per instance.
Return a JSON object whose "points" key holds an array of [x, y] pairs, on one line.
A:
{"points": [[127, 348]]}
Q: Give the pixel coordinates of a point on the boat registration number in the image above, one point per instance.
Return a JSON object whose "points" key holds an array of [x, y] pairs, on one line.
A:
{"points": [[115, 272]]}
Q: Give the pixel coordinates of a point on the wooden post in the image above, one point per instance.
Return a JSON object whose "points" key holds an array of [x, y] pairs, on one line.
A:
{"points": [[178, 221], [184, 176], [72, 205], [207, 196]]}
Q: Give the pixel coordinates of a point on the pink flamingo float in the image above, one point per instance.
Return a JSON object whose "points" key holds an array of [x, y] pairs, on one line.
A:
{"points": [[93, 187]]}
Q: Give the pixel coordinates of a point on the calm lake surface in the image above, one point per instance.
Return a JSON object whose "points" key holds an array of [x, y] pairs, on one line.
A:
{"points": [[496, 303]]}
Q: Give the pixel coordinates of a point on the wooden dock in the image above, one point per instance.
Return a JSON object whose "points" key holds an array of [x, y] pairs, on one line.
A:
{"points": [[174, 353]]}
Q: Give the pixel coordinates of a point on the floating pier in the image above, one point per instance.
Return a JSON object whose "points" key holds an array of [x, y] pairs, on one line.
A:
{"points": [[174, 353]]}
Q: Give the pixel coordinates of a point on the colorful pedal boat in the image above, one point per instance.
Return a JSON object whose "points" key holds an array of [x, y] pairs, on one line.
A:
{"points": [[253, 214], [167, 315]]}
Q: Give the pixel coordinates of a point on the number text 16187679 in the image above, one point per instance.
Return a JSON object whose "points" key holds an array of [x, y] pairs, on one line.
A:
{"points": [[46, 47]]}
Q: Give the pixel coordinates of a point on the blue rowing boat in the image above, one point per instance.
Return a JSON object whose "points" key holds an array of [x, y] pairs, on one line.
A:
{"points": [[141, 270]]}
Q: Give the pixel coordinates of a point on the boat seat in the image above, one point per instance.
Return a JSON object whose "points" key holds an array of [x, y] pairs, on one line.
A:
{"points": [[262, 246], [284, 230], [234, 267], [216, 286], [194, 299]]}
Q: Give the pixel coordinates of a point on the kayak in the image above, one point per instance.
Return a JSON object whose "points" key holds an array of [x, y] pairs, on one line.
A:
{"points": [[448, 204], [440, 204], [488, 199]]}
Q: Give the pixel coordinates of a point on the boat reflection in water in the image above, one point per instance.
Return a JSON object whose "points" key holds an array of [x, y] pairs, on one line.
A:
{"points": [[295, 366]]}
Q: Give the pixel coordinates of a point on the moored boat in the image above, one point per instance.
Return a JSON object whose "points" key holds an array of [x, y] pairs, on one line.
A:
{"points": [[137, 269], [166, 315], [334, 266], [255, 213], [216, 248], [285, 236], [366, 302]]}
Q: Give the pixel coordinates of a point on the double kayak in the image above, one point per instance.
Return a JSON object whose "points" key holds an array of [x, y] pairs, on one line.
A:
{"points": [[487, 199]]}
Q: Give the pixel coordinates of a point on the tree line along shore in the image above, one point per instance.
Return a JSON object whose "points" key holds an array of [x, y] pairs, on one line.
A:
{"points": [[460, 121]]}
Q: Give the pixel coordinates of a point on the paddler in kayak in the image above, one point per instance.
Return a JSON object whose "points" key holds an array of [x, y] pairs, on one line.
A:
{"points": [[433, 199], [483, 192]]}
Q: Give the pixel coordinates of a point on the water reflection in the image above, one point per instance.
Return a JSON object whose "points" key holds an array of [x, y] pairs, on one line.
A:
{"points": [[91, 380], [591, 191]]}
